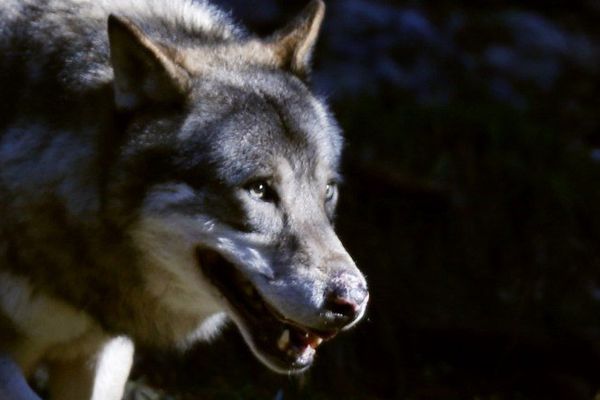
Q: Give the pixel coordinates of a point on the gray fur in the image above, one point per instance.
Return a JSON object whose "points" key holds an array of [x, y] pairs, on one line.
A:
{"points": [[123, 151]]}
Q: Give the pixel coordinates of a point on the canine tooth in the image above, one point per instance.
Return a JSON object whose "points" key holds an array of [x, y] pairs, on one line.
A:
{"points": [[316, 342], [284, 340]]}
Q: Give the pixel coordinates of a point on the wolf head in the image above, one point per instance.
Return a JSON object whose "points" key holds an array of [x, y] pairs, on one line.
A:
{"points": [[228, 176]]}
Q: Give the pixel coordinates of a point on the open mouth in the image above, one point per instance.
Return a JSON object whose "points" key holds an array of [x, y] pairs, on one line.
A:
{"points": [[283, 344]]}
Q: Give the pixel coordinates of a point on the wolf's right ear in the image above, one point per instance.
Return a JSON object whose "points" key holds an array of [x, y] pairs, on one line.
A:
{"points": [[144, 72]]}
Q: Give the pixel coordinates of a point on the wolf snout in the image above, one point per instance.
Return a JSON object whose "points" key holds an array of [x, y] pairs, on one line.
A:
{"points": [[346, 300]]}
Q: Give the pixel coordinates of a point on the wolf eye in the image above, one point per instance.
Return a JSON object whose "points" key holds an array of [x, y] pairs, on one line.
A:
{"points": [[261, 190], [257, 189], [330, 190]]}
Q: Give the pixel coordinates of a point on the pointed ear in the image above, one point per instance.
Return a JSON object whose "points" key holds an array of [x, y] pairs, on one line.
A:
{"points": [[293, 45], [144, 72]]}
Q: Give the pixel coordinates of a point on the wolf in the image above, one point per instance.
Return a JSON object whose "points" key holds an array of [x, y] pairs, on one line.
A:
{"points": [[162, 171]]}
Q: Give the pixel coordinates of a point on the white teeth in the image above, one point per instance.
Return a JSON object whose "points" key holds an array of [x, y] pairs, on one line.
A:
{"points": [[284, 340]]}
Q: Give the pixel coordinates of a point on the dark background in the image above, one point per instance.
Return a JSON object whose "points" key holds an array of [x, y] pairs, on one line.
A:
{"points": [[471, 202]]}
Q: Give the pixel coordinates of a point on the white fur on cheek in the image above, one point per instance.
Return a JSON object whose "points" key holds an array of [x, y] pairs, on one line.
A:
{"points": [[173, 275], [243, 254], [208, 328]]}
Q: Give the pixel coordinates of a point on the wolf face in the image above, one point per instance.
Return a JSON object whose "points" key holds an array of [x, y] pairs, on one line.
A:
{"points": [[228, 180]]}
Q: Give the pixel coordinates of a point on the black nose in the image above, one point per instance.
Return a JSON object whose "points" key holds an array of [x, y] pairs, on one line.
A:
{"points": [[346, 301]]}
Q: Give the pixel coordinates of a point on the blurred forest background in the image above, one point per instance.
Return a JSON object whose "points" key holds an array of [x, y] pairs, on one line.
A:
{"points": [[471, 201]]}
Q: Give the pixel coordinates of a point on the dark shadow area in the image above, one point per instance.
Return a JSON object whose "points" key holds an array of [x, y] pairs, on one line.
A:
{"points": [[471, 202]]}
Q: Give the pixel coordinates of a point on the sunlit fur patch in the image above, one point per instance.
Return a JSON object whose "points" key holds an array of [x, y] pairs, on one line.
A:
{"points": [[172, 276]]}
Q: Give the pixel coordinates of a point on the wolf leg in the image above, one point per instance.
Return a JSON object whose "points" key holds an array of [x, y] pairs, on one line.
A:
{"points": [[12, 382], [100, 374]]}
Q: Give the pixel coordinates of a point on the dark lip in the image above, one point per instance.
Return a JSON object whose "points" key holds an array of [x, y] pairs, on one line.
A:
{"points": [[264, 323]]}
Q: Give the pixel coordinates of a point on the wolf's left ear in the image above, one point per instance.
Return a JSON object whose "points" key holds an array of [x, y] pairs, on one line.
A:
{"points": [[144, 72], [293, 45]]}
